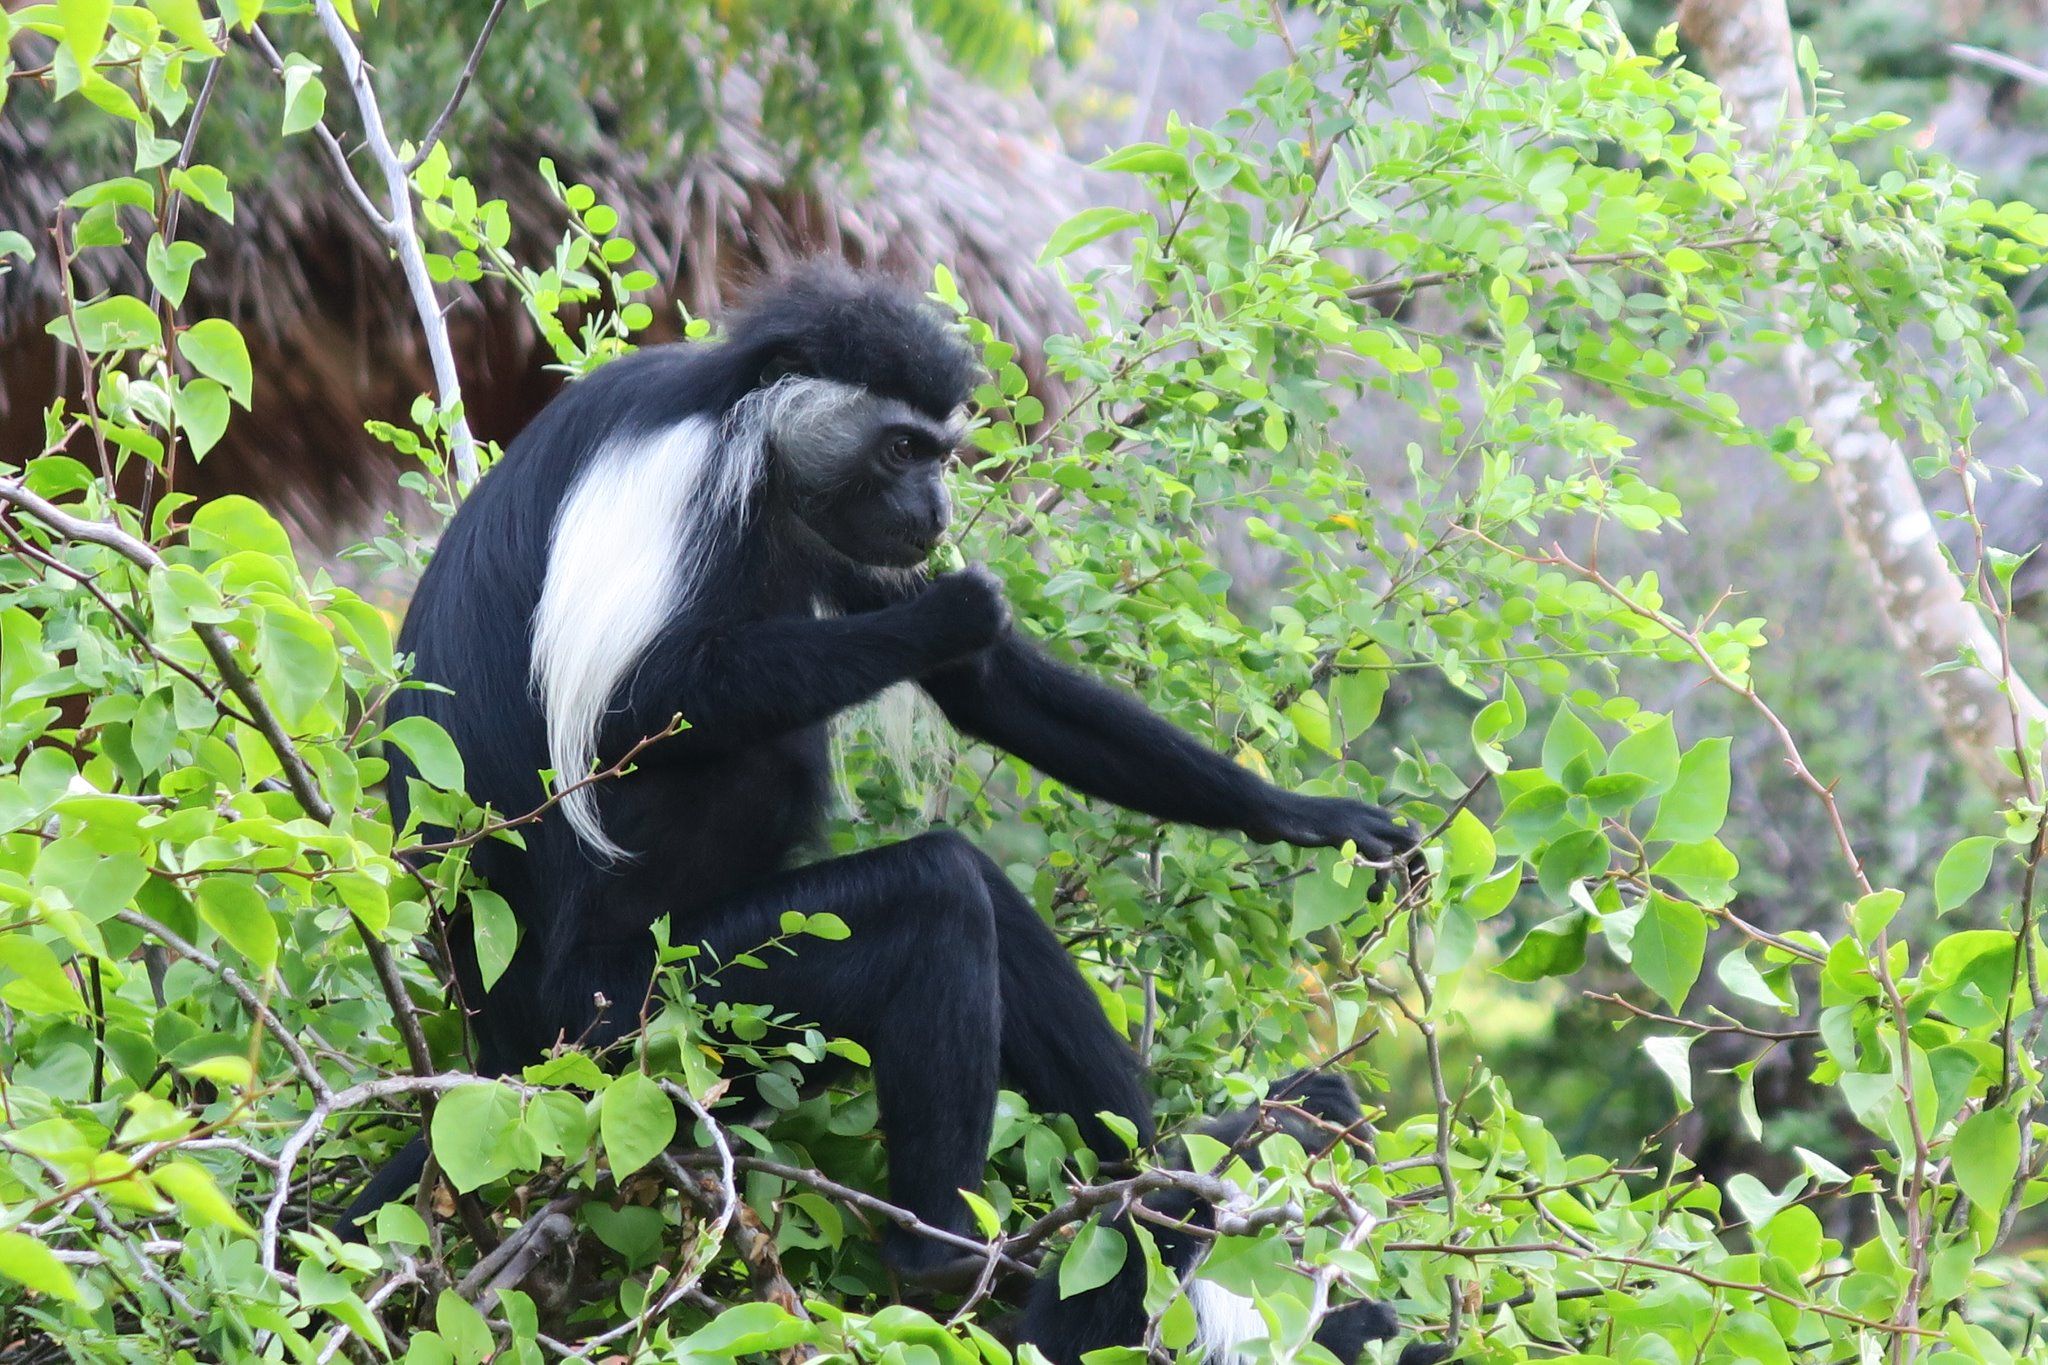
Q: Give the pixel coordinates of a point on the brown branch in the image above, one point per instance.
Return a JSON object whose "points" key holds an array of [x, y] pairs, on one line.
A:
{"points": [[618, 769], [1768, 1035]]}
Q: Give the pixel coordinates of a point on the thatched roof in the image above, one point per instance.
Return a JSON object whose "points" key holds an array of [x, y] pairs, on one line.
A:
{"points": [[977, 183]]}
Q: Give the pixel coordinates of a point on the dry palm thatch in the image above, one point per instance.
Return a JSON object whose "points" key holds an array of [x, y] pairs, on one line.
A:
{"points": [[977, 183]]}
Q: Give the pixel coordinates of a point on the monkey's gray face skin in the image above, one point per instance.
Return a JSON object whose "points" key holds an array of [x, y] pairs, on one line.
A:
{"points": [[866, 473]]}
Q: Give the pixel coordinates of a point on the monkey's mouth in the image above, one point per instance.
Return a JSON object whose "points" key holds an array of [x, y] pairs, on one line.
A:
{"points": [[906, 552]]}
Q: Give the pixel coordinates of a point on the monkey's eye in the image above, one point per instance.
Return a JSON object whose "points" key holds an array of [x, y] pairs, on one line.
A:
{"points": [[902, 451]]}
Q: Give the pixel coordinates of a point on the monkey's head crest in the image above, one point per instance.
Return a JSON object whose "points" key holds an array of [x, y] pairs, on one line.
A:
{"points": [[823, 320]]}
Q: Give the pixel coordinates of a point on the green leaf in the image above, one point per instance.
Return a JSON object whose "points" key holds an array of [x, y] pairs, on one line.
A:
{"points": [[170, 267], [298, 662], [1329, 895], [1669, 947], [1986, 1153], [985, 1216], [1697, 804], [305, 98], [215, 348], [208, 187], [202, 411], [399, 1224], [1741, 977], [239, 914], [1556, 947], [1962, 872], [84, 27], [463, 1328], [495, 931], [1705, 871], [745, 1329], [1535, 815], [40, 984], [1759, 1203], [1468, 847], [1673, 1057], [827, 926], [1093, 1260], [1457, 934], [198, 1197], [225, 525], [27, 1262], [123, 191], [1571, 751], [434, 755], [1144, 158], [1650, 753], [568, 1068], [185, 21], [120, 322], [637, 1121], [1579, 856], [1087, 226], [1873, 912], [632, 1231], [470, 1133]]}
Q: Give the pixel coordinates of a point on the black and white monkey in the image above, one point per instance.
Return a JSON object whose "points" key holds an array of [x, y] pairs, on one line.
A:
{"points": [[731, 532], [1316, 1109]]}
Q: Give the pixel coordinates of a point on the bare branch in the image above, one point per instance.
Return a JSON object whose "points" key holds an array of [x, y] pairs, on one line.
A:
{"points": [[2003, 63], [401, 231]]}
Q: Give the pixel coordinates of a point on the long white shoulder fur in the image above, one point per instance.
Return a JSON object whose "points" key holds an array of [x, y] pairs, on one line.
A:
{"points": [[628, 551]]}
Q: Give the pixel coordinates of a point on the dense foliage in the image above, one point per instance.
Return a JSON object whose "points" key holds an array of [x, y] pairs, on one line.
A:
{"points": [[220, 1005]]}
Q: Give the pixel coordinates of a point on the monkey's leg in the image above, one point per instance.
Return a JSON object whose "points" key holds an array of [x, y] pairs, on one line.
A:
{"points": [[915, 984], [1059, 1048]]}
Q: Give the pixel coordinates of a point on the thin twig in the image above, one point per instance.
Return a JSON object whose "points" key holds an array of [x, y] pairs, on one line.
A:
{"points": [[469, 68]]}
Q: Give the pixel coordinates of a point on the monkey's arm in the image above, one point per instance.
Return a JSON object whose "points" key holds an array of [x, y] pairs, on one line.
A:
{"points": [[741, 682], [1104, 742]]}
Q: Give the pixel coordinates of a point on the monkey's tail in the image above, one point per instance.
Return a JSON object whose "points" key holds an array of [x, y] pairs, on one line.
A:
{"points": [[402, 1170]]}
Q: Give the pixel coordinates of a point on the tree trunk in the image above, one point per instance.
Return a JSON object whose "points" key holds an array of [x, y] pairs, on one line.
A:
{"points": [[1983, 707]]}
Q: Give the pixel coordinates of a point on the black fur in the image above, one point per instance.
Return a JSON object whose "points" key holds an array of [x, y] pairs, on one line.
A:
{"points": [[950, 979], [1114, 1314]]}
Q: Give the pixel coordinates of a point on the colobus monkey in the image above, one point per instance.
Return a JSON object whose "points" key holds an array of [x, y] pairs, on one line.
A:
{"points": [[1114, 1314], [731, 532]]}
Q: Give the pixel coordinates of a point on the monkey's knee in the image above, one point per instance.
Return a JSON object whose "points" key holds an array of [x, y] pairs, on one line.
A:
{"points": [[950, 873]]}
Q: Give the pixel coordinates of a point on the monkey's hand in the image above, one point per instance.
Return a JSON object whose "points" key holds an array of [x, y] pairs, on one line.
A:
{"points": [[966, 611], [1331, 821]]}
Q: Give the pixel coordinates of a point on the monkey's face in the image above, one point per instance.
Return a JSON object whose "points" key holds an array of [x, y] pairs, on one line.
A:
{"points": [[867, 473]]}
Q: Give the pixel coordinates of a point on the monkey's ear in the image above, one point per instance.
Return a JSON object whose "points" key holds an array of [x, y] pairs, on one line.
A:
{"points": [[780, 365]]}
